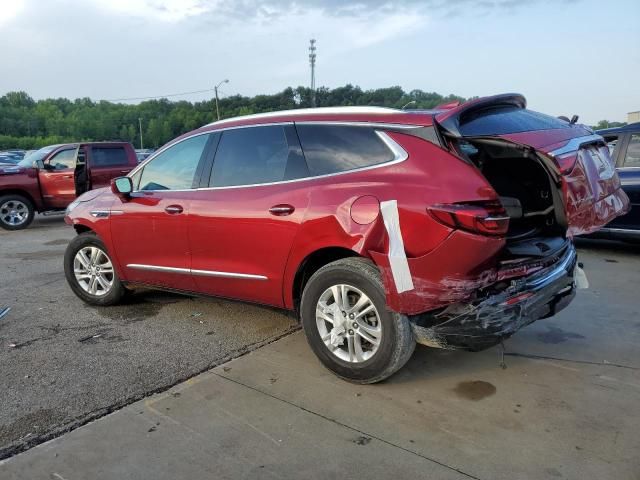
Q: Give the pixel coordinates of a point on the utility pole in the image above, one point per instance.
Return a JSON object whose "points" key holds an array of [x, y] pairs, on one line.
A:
{"points": [[216, 90], [312, 62], [140, 125]]}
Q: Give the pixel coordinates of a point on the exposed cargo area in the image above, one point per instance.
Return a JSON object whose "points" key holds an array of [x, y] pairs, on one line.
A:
{"points": [[526, 190]]}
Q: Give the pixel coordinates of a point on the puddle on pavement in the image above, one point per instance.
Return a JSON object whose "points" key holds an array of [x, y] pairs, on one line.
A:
{"points": [[140, 307], [556, 335], [474, 390], [39, 255], [59, 241]]}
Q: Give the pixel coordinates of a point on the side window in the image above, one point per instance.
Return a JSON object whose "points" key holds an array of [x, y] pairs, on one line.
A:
{"points": [[632, 157], [108, 156], [334, 148], [63, 160], [175, 168], [257, 155]]}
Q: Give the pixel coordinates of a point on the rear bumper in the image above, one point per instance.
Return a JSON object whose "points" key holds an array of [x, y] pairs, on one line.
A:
{"points": [[484, 323]]}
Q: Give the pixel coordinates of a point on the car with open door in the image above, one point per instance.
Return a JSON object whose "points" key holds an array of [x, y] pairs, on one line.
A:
{"points": [[381, 228], [624, 147], [51, 178]]}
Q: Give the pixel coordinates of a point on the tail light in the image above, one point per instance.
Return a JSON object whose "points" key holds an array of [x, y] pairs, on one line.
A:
{"points": [[485, 218], [566, 162]]}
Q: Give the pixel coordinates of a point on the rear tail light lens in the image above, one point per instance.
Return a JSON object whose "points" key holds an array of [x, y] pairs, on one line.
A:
{"points": [[567, 161], [485, 218]]}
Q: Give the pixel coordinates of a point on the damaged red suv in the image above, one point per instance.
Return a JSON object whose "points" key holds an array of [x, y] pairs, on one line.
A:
{"points": [[380, 228]]}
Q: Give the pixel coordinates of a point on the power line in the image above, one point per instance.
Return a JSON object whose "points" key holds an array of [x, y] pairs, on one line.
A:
{"points": [[159, 96]]}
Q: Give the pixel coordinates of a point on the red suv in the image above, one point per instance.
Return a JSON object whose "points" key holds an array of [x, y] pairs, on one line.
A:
{"points": [[379, 227]]}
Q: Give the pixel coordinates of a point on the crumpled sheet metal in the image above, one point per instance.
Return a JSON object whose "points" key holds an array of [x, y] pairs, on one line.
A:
{"points": [[434, 284], [592, 193]]}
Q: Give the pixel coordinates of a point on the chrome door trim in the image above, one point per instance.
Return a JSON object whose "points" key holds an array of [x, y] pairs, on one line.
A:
{"points": [[575, 143], [212, 273], [626, 231], [201, 273]]}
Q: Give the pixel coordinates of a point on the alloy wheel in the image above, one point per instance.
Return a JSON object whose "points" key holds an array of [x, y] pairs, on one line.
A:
{"points": [[348, 323], [93, 270], [14, 213]]}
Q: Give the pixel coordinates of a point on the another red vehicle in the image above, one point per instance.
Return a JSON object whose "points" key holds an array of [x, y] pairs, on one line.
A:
{"points": [[379, 227], [50, 178]]}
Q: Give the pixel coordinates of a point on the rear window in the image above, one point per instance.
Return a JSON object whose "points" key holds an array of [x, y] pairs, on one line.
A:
{"points": [[334, 148], [507, 119], [108, 156]]}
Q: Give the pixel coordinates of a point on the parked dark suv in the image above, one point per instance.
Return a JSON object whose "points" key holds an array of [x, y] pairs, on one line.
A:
{"points": [[380, 227], [624, 146]]}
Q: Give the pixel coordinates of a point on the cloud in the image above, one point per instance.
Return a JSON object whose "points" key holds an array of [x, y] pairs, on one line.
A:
{"points": [[177, 10]]}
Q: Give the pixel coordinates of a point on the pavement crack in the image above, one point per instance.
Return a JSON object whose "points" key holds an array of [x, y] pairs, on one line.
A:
{"points": [[354, 429], [585, 362]]}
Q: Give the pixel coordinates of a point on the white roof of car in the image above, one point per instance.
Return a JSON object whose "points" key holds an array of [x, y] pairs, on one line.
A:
{"points": [[311, 111]]}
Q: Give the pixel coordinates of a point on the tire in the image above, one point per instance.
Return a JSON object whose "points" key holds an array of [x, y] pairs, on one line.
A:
{"points": [[395, 340], [16, 212], [99, 270]]}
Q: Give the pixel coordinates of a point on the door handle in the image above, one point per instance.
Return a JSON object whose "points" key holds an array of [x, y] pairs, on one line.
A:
{"points": [[67, 176], [282, 210], [173, 209], [125, 171]]}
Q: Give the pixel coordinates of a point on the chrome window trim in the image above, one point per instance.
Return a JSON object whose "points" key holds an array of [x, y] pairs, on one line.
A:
{"points": [[575, 143], [202, 273], [399, 153]]}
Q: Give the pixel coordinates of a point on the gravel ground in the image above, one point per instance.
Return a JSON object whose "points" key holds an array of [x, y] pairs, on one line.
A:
{"points": [[64, 363]]}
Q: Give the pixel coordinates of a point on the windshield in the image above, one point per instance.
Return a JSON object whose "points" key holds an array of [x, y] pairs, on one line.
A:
{"points": [[28, 160]]}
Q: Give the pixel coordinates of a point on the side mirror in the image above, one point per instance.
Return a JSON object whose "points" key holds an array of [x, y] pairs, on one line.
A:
{"points": [[122, 186], [39, 164]]}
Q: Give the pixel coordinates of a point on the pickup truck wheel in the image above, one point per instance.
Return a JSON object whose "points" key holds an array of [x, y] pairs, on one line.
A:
{"points": [[16, 212], [90, 271], [348, 326]]}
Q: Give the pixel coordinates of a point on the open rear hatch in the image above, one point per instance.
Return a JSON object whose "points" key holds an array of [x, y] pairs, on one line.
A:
{"points": [[554, 178]]}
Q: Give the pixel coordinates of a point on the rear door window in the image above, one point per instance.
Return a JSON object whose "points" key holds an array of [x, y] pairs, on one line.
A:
{"points": [[501, 120], [632, 157], [337, 148], [109, 157], [258, 155]]}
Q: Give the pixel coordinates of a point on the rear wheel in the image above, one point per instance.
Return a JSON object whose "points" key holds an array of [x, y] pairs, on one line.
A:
{"points": [[348, 326], [90, 271], [16, 212]]}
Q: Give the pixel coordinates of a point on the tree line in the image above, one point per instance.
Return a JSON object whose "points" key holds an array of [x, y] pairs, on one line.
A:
{"points": [[27, 123]]}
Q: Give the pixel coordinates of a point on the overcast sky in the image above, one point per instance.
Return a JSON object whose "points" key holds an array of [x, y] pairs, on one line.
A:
{"points": [[565, 56]]}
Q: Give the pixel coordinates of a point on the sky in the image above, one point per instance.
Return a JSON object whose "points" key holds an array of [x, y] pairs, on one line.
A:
{"points": [[566, 56]]}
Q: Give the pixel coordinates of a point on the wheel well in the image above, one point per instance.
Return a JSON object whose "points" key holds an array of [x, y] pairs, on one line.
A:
{"points": [[22, 193], [312, 263], [80, 229]]}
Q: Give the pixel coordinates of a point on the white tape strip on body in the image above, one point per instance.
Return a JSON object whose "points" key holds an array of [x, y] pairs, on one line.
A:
{"points": [[397, 257]]}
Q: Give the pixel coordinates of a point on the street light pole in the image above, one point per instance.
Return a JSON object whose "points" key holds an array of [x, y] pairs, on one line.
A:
{"points": [[216, 90], [140, 125]]}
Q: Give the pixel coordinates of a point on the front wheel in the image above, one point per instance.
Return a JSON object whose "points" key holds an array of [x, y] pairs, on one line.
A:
{"points": [[348, 326], [90, 271], [16, 212]]}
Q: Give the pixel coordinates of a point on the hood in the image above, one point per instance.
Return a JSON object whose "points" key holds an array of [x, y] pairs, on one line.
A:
{"points": [[11, 170], [92, 194]]}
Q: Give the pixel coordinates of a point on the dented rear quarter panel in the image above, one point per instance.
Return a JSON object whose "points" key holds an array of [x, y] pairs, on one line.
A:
{"points": [[446, 266]]}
